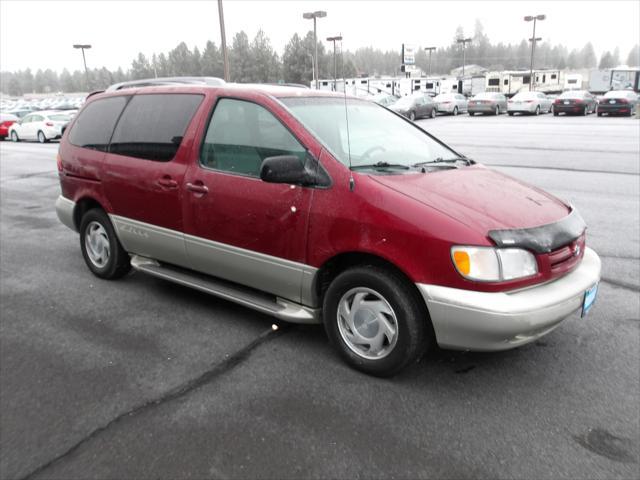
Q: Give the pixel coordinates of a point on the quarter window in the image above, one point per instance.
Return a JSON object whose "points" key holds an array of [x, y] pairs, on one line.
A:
{"points": [[94, 126], [241, 135], [152, 126]]}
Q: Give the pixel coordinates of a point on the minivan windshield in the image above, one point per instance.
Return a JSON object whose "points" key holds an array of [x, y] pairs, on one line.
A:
{"points": [[377, 137]]}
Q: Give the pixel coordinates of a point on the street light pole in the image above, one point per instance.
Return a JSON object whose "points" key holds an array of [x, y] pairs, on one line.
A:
{"points": [[430, 50], [314, 16], [313, 68], [533, 41], [84, 47], [225, 55], [335, 68], [464, 42]]}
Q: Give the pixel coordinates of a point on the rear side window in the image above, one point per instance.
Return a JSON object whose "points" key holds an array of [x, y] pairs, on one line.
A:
{"points": [[94, 126], [241, 135], [152, 126]]}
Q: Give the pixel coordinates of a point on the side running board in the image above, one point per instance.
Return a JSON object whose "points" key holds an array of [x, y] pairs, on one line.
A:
{"points": [[274, 306]]}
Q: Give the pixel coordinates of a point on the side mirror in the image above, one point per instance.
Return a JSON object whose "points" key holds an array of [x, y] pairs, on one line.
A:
{"points": [[286, 169]]}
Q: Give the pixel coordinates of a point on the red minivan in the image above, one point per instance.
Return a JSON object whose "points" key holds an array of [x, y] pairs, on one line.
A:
{"points": [[319, 208]]}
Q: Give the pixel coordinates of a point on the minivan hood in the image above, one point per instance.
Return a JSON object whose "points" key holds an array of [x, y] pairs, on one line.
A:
{"points": [[481, 198]]}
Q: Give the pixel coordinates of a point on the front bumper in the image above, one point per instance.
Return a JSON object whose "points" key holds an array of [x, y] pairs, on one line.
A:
{"points": [[483, 321]]}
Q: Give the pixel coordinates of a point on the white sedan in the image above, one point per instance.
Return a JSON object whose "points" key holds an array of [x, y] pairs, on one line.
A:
{"points": [[452, 103], [533, 103], [40, 126]]}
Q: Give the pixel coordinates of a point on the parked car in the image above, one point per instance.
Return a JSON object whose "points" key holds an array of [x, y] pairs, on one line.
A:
{"points": [[452, 103], [487, 102], [618, 102], [415, 106], [532, 103], [261, 195], [19, 112], [6, 120], [384, 99], [580, 102], [40, 126]]}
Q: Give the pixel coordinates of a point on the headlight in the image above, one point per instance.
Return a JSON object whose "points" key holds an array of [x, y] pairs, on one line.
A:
{"points": [[493, 264]]}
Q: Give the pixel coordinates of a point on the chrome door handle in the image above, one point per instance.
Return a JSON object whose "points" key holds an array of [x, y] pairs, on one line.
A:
{"points": [[198, 188]]}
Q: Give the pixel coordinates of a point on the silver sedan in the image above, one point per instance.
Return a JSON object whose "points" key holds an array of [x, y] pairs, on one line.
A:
{"points": [[452, 103], [532, 103], [488, 102]]}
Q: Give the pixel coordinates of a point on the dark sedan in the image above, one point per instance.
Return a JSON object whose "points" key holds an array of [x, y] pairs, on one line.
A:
{"points": [[415, 106], [487, 102], [618, 102], [579, 102]]}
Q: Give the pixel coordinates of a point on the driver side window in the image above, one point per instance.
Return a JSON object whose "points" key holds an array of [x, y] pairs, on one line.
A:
{"points": [[241, 135]]}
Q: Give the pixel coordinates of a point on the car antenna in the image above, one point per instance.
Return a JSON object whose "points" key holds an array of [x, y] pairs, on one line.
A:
{"points": [[352, 182]]}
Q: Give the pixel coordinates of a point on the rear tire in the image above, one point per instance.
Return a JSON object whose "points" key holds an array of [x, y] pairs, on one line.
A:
{"points": [[497, 112], [555, 114], [471, 114], [586, 111], [455, 111], [510, 114], [101, 249], [433, 112], [14, 136], [412, 116], [41, 137], [376, 304], [537, 112]]}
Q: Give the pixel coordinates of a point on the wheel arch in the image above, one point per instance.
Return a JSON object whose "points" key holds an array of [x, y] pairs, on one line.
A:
{"points": [[83, 206], [343, 261]]}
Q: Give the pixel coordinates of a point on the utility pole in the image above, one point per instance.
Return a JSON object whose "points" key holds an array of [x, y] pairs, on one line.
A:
{"points": [[430, 50], [335, 68], [225, 55], [313, 68], [464, 42], [533, 41], [314, 16], [84, 47]]}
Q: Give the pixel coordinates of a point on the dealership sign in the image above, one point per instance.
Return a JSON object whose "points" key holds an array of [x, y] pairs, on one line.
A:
{"points": [[408, 54]]}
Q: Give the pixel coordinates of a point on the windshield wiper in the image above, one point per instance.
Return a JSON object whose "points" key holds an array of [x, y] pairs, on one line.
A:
{"points": [[381, 165], [468, 161]]}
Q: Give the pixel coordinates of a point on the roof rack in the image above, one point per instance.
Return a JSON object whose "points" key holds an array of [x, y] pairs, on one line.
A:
{"points": [[152, 82]]}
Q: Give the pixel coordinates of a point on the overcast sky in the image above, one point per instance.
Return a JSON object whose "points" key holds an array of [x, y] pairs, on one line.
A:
{"points": [[40, 34]]}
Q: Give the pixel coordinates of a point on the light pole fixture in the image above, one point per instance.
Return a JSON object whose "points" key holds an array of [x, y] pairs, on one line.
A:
{"points": [[533, 40], [464, 42], [335, 39], [430, 50], [225, 55], [315, 15], [83, 47]]}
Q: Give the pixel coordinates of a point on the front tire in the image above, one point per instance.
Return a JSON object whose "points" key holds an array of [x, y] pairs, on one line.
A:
{"points": [[376, 320], [41, 137], [101, 249], [14, 136]]}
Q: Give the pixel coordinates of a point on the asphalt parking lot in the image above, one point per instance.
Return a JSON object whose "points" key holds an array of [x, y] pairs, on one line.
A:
{"points": [[141, 378]]}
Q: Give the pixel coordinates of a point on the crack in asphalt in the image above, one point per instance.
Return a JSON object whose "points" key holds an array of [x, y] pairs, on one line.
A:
{"points": [[217, 370], [581, 170], [544, 149], [23, 176], [621, 284]]}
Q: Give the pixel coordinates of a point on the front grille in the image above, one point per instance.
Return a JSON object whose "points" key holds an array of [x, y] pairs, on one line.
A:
{"points": [[567, 257]]}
